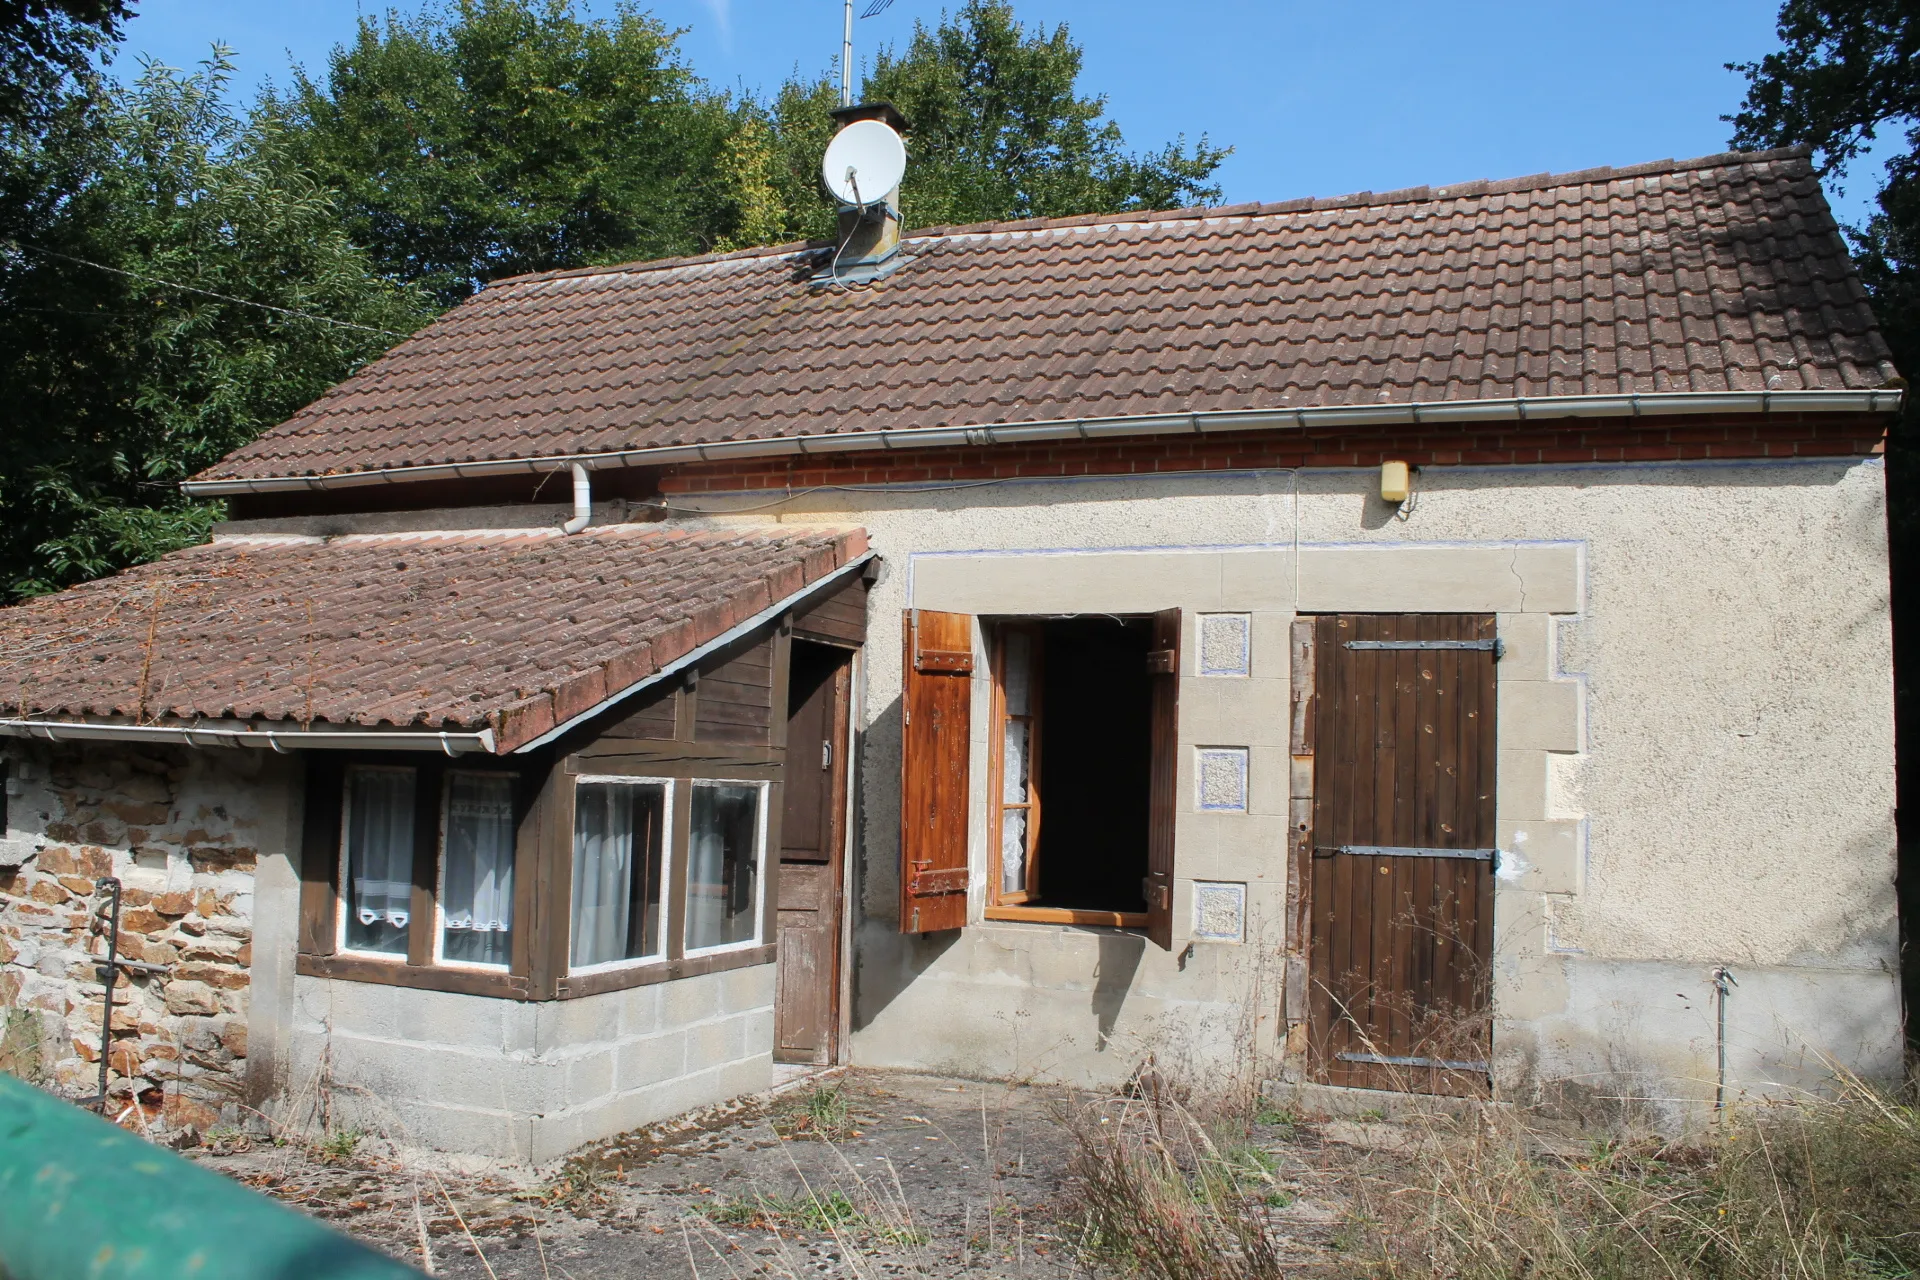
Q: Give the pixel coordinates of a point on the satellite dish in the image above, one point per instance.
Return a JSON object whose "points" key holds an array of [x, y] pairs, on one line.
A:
{"points": [[864, 162]]}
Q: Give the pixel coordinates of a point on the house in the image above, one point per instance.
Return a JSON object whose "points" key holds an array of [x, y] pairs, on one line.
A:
{"points": [[1433, 640]]}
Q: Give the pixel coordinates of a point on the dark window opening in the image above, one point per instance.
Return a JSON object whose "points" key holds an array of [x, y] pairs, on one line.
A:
{"points": [[1073, 760]]}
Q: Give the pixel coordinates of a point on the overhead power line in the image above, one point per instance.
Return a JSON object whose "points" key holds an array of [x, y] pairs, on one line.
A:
{"points": [[207, 293]]}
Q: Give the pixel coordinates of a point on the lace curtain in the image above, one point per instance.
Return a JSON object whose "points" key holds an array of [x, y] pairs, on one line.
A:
{"points": [[380, 821], [476, 902]]}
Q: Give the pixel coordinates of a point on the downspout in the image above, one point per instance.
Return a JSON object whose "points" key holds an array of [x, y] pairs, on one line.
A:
{"points": [[582, 500]]}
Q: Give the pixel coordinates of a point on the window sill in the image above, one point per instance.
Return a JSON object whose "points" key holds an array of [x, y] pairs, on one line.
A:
{"points": [[398, 973], [575, 985], [1070, 915]]}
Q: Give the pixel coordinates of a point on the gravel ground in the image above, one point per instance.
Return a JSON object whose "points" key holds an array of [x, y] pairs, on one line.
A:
{"points": [[863, 1174]]}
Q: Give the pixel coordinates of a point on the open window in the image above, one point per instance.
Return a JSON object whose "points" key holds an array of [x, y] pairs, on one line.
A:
{"points": [[1082, 745], [1072, 800]]}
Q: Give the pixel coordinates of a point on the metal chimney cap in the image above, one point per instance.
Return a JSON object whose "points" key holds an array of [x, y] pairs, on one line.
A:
{"points": [[885, 112]]}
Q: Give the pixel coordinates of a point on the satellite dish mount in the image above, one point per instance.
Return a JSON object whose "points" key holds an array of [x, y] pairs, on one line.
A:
{"points": [[862, 170]]}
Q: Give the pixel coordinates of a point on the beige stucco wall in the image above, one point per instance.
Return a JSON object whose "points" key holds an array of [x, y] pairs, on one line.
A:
{"points": [[1696, 759]]}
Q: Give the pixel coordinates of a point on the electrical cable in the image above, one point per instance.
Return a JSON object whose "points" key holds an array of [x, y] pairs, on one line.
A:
{"points": [[224, 297]]}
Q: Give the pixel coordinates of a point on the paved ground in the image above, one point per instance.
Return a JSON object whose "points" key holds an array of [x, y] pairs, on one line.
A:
{"points": [[864, 1175]]}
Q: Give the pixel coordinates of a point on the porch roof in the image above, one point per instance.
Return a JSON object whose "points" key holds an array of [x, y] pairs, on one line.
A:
{"points": [[510, 632]]}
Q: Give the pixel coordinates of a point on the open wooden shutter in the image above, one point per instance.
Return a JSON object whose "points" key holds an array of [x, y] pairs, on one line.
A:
{"points": [[1163, 665], [936, 703]]}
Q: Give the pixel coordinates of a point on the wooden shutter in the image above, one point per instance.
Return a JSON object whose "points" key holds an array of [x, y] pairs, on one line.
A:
{"points": [[936, 703], [1163, 666]]}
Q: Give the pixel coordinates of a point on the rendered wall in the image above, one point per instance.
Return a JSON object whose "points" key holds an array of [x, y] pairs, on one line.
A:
{"points": [[1696, 762]]}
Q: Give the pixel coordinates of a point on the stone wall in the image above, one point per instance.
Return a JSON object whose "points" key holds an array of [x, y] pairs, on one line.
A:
{"points": [[180, 829]]}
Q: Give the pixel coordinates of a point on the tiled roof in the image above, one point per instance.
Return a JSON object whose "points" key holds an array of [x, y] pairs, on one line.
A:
{"points": [[1720, 274], [512, 631]]}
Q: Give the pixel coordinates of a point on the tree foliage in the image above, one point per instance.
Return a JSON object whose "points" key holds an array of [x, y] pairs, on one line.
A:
{"points": [[998, 127], [44, 41], [170, 285], [496, 137]]}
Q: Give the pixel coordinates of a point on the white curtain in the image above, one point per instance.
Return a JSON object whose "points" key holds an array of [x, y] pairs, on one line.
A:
{"points": [[618, 854], [379, 859], [722, 865], [477, 899]]}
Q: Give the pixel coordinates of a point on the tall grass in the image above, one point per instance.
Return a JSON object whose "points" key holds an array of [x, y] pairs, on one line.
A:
{"points": [[1820, 1188]]}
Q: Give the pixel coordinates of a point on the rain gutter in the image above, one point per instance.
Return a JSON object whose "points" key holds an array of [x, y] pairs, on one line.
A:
{"points": [[1440, 412], [283, 740]]}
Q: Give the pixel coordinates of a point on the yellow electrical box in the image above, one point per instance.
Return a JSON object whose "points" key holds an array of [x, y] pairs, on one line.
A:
{"points": [[1394, 482]]}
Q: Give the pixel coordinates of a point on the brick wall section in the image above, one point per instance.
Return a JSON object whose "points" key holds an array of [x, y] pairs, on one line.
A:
{"points": [[1436, 445], [173, 826]]}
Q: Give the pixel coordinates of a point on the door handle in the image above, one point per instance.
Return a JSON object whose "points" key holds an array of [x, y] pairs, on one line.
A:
{"points": [[826, 754]]}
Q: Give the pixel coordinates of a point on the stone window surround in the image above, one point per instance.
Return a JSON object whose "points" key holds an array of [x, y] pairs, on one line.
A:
{"points": [[1528, 585]]}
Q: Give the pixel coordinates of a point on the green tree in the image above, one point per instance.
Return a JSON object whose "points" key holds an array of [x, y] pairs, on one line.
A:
{"points": [[1846, 70], [487, 138], [170, 285], [42, 42], [999, 127]]}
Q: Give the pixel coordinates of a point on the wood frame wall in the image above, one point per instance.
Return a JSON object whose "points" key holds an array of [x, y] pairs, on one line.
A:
{"points": [[736, 731]]}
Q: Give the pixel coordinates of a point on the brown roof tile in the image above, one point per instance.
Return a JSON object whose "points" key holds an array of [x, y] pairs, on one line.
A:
{"points": [[1723, 273], [512, 631]]}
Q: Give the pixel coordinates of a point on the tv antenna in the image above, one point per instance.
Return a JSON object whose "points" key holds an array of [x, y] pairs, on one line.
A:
{"points": [[846, 47]]}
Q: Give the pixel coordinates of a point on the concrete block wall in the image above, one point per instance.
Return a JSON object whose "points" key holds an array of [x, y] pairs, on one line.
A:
{"points": [[527, 1082]]}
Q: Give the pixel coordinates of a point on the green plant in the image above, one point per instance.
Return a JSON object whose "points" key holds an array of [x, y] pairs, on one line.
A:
{"points": [[823, 1112], [831, 1213], [1277, 1117], [339, 1146]]}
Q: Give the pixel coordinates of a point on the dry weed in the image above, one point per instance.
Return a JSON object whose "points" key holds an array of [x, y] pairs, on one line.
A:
{"points": [[1155, 1195], [1823, 1188]]}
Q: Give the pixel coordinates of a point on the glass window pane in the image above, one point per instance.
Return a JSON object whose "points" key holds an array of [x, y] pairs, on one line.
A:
{"points": [[379, 877], [723, 865], [1018, 677], [1013, 850], [618, 851], [1013, 763], [476, 895]]}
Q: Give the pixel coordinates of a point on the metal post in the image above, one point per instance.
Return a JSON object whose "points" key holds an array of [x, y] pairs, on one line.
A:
{"points": [[109, 973], [1722, 981], [846, 59]]}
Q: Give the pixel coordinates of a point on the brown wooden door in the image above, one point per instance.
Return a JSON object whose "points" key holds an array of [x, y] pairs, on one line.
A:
{"points": [[812, 847], [1403, 832]]}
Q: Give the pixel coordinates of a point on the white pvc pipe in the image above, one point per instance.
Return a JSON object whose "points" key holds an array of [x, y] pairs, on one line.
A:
{"points": [[582, 500]]}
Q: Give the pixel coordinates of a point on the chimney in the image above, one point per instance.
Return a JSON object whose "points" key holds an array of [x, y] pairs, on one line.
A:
{"points": [[869, 231]]}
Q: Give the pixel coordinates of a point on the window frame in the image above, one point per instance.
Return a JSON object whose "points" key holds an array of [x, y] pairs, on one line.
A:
{"points": [[999, 908], [669, 826], [445, 813], [343, 900], [765, 789]]}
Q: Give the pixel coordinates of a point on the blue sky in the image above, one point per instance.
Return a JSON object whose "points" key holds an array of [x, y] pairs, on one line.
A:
{"points": [[1317, 98]]}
